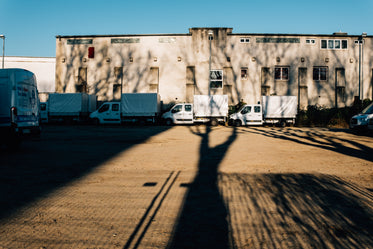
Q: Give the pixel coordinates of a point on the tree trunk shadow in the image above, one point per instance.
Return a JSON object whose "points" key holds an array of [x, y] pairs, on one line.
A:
{"points": [[203, 220]]}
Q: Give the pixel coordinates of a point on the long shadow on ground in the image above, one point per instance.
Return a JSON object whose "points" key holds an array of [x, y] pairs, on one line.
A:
{"points": [[202, 222], [297, 211], [62, 154]]}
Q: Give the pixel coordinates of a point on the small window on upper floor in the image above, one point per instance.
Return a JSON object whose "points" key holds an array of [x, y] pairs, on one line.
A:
{"points": [[310, 41], [244, 40], [333, 44]]}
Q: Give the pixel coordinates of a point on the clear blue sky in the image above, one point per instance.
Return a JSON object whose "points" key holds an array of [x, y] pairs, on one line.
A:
{"points": [[30, 26]]}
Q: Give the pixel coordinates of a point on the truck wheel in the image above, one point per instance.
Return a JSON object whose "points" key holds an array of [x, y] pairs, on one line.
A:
{"points": [[283, 123], [237, 123], [168, 122], [214, 122]]}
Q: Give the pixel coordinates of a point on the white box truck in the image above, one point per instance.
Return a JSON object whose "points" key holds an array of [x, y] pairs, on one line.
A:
{"points": [[281, 110], [211, 109], [19, 106], [133, 107], [69, 107]]}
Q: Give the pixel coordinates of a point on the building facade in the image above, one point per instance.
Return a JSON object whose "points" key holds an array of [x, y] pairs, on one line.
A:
{"points": [[43, 67], [325, 70]]}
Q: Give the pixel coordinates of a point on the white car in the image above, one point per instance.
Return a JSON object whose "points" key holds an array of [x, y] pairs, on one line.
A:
{"points": [[360, 121]]}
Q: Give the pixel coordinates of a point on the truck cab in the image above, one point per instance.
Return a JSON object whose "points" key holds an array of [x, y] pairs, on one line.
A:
{"points": [[108, 113], [247, 115], [179, 114]]}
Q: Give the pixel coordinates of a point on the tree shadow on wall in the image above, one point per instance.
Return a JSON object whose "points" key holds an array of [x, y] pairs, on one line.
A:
{"points": [[202, 222]]}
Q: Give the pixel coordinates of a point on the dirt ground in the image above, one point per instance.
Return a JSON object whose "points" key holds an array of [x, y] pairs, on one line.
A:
{"points": [[188, 187]]}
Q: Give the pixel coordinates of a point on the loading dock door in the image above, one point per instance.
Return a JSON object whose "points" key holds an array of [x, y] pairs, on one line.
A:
{"points": [[340, 87], [302, 89]]}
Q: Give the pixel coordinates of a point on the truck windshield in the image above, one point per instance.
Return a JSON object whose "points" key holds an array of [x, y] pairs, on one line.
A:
{"points": [[246, 109], [368, 110], [103, 108], [177, 108]]}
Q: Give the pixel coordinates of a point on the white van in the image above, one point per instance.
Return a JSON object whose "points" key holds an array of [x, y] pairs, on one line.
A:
{"points": [[19, 106]]}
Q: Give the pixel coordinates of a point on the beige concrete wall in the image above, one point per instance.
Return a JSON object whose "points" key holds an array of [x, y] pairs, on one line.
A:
{"points": [[140, 56], [42, 67]]}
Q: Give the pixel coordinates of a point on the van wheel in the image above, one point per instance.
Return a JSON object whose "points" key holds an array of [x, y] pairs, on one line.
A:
{"points": [[237, 123], [168, 122], [214, 122]]}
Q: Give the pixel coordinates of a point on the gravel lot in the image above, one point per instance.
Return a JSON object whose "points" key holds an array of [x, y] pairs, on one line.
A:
{"points": [[188, 187]]}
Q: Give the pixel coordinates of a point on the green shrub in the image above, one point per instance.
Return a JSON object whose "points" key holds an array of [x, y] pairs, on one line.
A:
{"points": [[329, 117]]}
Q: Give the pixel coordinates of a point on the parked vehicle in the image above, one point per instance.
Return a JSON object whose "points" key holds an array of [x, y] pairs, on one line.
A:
{"points": [[133, 107], [370, 124], [68, 107], [211, 109], [44, 112], [360, 121], [19, 106], [281, 110]]}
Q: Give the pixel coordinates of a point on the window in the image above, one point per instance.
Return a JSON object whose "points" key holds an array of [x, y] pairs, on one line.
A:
{"points": [[344, 44], [244, 40], [188, 108], [104, 108], [91, 52], [115, 107], [246, 109], [177, 109], [330, 44], [333, 44], [243, 73], [323, 44], [310, 41], [256, 109], [320, 73], [281, 73], [43, 106], [216, 78]]}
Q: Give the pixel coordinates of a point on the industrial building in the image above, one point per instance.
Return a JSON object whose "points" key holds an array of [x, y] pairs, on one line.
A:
{"points": [[326, 70], [43, 68]]}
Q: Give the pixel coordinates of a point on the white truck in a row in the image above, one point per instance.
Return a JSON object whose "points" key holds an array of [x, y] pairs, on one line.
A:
{"points": [[211, 109], [19, 106], [67, 107], [133, 107], [278, 110], [146, 108]]}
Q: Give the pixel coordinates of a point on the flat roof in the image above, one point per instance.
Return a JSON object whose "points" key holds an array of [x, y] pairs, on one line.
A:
{"points": [[335, 34]]}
